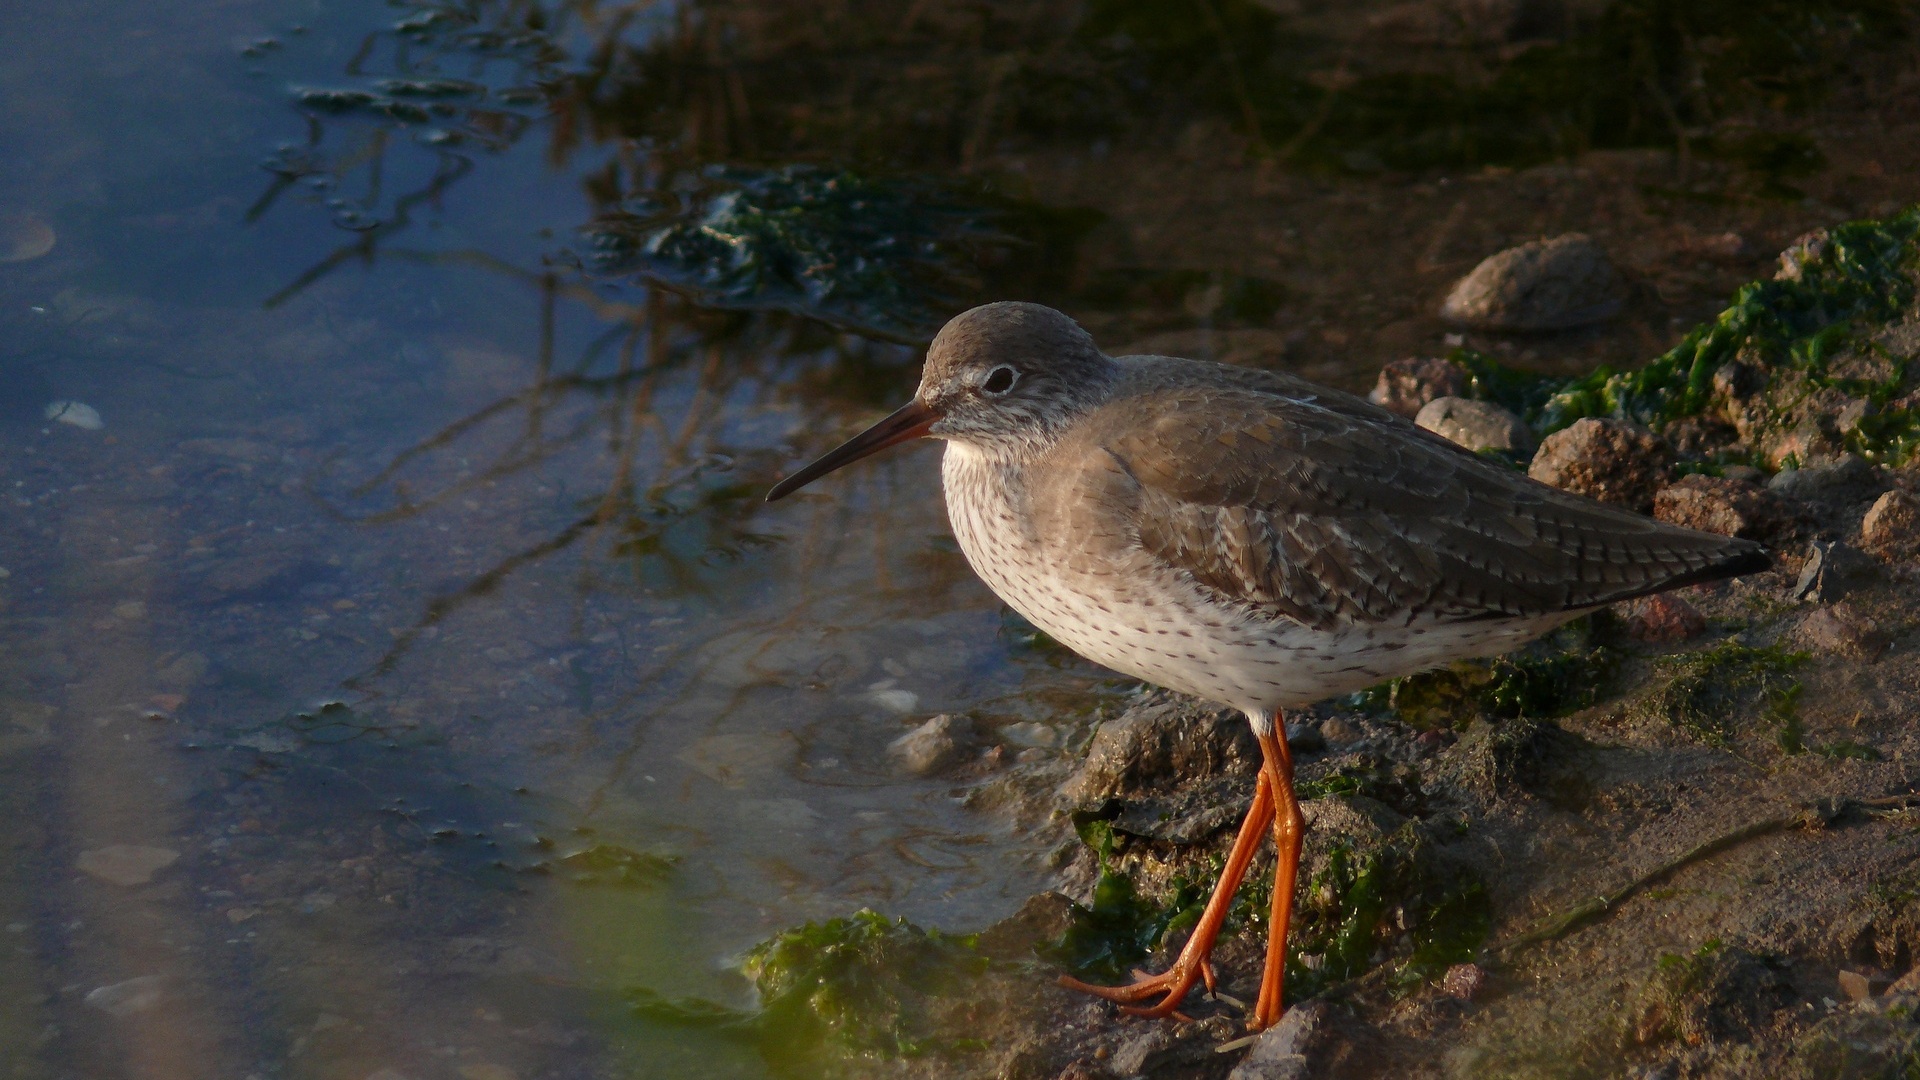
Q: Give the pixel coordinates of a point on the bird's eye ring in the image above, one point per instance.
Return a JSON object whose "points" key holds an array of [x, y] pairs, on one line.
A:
{"points": [[999, 380]]}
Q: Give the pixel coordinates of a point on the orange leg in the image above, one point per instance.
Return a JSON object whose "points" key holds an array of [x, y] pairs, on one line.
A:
{"points": [[1288, 826], [1192, 963]]}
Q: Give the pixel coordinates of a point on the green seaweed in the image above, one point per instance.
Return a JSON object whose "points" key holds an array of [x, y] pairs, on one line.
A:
{"points": [[1385, 905], [859, 985], [1341, 912], [863, 986], [1796, 331], [1860, 273], [1105, 939], [1705, 689]]}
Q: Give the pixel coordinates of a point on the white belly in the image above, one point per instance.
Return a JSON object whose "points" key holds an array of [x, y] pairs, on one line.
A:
{"points": [[1156, 625]]}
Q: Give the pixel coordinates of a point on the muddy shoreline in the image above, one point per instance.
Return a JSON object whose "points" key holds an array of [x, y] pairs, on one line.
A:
{"points": [[1674, 839]]}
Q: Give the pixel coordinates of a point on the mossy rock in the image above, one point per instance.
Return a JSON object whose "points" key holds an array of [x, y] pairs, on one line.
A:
{"points": [[1871, 1040], [1518, 758], [1714, 995]]}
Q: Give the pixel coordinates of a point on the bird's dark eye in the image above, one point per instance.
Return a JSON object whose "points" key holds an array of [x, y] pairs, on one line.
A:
{"points": [[999, 380]]}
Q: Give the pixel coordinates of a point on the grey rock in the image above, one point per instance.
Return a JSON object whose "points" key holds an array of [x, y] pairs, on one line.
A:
{"points": [[1832, 571], [1043, 918], [1338, 732], [1285, 1051], [1030, 733], [130, 997], [1169, 1051], [1609, 460], [936, 745], [1406, 386], [1176, 771], [1728, 506], [1552, 284], [1303, 737], [1476, 425], [1892, 526], [126, 865], [1841, 482], [1839, 630], [1155, 747]]}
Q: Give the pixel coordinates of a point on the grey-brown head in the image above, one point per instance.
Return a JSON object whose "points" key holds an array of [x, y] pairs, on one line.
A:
{"points": [[1004, 377]]}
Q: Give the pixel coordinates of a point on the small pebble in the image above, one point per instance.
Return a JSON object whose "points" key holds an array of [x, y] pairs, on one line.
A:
{"points": [[1463, 981], [1552, 284], [24, 237], [1832, 571], [126, 864], [130, 997], [1861, 984], [1664, 619], [933, 746], [1303, 737], [900, 701], [77, 413], [1030, 733], [1405, 386], [1476, 425], [1726, 505], [1338, 732], [1609, 460]]}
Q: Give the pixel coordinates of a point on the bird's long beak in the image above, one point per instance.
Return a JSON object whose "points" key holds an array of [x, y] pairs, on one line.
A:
{"points": [[909, 421]]}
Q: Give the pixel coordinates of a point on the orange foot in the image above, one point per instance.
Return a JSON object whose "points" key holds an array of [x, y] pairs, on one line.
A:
{"points": [[1176, 982]]}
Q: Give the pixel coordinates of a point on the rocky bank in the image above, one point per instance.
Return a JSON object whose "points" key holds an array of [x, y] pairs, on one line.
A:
{"points": [[1676, 839]]}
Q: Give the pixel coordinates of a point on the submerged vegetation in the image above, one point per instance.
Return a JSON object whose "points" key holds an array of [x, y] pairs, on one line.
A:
{"points": [[860, 986], [859, 983]]}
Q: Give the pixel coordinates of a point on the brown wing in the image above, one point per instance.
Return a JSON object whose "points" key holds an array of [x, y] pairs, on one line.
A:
{"points": [[1320, 508]]}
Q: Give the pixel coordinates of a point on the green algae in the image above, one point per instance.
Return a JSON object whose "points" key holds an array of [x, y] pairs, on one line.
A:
{"points": [[611, 864], [1805, 335], [1120, 928], [1364, 906], [1385, 905], [1705, 690], [1859, 273], [860, 987], [859, 984]]}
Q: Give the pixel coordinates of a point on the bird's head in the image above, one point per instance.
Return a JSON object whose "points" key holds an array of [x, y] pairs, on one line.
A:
{"points": [[1003, 378]]}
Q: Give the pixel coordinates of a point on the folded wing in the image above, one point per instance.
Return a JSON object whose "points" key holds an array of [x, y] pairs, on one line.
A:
{"points": [[1319, 508]]}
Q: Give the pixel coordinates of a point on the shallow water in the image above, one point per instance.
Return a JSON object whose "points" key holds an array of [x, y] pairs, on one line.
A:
{"points": [[411, 575]]}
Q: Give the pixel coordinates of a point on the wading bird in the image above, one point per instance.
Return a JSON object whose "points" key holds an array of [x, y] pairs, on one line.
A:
{"points": [[1252, 539]]}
